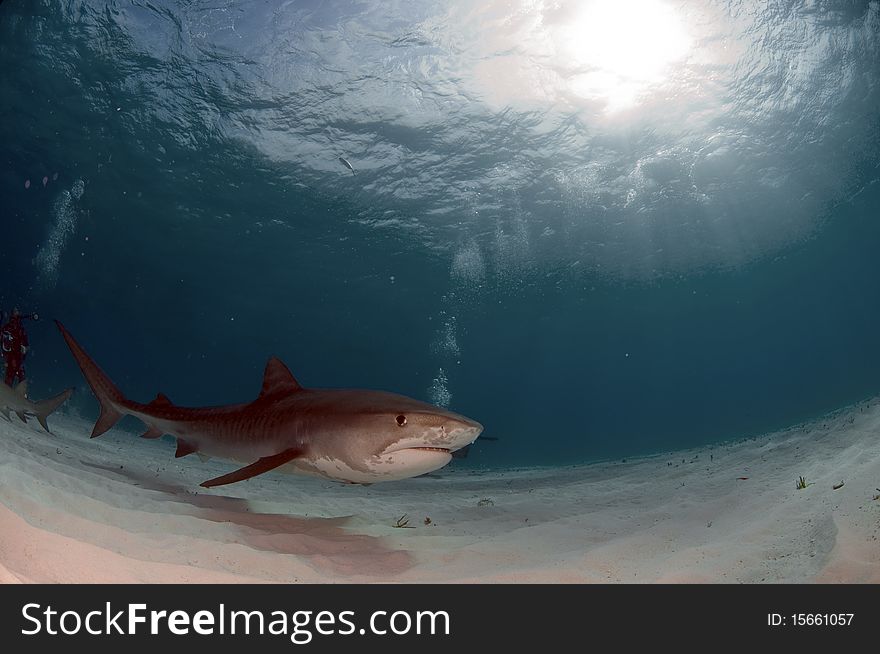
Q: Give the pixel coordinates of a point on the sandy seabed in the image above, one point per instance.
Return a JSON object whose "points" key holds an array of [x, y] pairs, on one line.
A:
{"points": [[123, 509]]}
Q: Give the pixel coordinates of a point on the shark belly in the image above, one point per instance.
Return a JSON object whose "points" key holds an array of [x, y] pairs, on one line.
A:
{"points": [[374, 470]]}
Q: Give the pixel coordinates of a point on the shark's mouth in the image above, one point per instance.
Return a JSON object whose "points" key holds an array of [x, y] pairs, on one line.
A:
{"points": [[445, 450]]}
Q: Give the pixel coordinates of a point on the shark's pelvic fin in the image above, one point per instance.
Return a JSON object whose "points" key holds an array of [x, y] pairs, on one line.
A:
{"points": [[152, 432], [277, 380], [265, 464], [184, 448]]}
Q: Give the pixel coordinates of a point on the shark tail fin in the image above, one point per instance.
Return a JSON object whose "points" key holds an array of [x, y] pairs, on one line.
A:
{"points": [[105, 390], [49, 406]]}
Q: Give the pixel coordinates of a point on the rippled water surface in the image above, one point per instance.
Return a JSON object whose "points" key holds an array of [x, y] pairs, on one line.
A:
{"points": [[600, 228]]}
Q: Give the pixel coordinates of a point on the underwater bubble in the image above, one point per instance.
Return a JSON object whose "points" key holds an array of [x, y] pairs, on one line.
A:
{"points": [[468, 266], [27, 183], [77, 189], [45, 180], [54, 176], [49, 254], [446, 343], [439, 392], [512, 249]]}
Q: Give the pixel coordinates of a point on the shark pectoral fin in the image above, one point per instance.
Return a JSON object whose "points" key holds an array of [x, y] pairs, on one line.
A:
{"points": [[184, 448], [152, 432], [265, 464]]}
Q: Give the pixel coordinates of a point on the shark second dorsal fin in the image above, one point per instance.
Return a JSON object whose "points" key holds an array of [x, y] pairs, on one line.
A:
{"points": [[278, 379], [161, 400]]}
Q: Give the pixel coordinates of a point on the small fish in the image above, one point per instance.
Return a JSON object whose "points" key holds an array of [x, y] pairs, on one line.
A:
{"points": [[345, 163]]}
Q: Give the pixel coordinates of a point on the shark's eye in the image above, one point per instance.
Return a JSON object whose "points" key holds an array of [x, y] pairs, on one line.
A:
{"points": [[401, 420]]}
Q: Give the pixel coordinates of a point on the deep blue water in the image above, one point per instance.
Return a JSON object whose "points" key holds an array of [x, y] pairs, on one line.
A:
{"points": [[594, 254]]}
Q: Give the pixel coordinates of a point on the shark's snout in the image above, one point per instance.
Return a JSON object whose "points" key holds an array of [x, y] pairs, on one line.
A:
{"points": [[450, 435], [465, 432]]}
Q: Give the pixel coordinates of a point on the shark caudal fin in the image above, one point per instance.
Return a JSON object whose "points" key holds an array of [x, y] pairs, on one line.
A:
{"points": [[46, 407], [105, 390]]}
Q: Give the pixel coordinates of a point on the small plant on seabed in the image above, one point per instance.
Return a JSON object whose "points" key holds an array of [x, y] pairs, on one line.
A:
{"points": [[802, 483], [403, 523]]}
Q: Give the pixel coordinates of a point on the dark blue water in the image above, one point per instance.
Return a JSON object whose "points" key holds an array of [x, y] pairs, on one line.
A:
{"points": [[597, 249]]}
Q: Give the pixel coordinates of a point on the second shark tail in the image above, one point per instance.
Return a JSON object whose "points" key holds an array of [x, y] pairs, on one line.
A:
{"points": [[44, 408], [105, 390]]}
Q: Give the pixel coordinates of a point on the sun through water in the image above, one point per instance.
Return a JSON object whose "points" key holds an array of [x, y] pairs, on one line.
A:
{"points": [[617, 50]]}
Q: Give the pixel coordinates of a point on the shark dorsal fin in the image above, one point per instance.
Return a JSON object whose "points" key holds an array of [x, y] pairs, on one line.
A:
{"points": [[161, 400], [278, 379], [21, 389]]}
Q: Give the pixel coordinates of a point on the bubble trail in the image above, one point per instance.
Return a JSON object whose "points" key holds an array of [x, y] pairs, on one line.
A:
{"points": [[49, 255]]}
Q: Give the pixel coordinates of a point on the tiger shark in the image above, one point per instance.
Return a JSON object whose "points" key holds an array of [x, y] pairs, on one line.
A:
{"points": [[349, 435], [16, 400]]}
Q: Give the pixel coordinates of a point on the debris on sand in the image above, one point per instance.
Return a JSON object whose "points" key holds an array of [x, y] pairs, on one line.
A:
{"points": [[403, 523]]}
